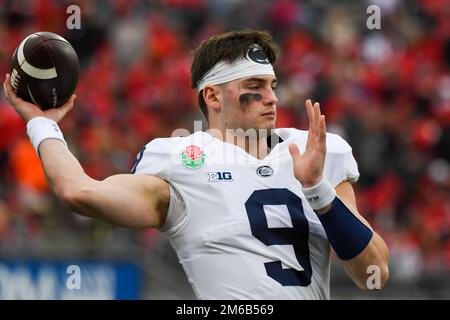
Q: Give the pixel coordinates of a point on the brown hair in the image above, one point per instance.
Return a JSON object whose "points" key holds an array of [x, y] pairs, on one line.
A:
{"points": [[227, 46]]}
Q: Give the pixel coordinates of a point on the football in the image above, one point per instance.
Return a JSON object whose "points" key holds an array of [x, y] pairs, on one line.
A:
{"points": [[45, 70]]}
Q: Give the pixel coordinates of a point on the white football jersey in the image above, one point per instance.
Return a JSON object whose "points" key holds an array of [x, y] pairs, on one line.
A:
{"points": [[241, 227]]}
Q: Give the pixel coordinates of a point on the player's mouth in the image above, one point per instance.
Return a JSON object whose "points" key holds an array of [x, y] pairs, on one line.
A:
{"points": [[269, 114]]}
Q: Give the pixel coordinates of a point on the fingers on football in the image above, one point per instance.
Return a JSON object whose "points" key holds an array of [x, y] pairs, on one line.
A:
{"points": [[70, 103], [58, 113], [5, 89], [10, 95]]}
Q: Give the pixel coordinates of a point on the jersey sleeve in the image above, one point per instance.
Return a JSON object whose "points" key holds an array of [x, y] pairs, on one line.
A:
{"points": [[176, 216], [340, 165], [155, 159]]}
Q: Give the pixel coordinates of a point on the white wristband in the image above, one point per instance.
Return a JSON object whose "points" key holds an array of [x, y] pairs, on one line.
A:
{"points": [[42, 128], [320, 195]]}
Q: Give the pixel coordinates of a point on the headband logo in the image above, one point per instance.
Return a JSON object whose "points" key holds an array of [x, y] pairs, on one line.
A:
{"points": [[255, 62], [257, 55]]}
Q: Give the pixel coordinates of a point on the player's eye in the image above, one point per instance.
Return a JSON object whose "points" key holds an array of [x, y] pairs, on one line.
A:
{"points": [[253, 87]]}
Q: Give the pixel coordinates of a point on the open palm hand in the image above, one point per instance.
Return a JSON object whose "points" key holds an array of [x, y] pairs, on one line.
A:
{"points": [[308, 166]]}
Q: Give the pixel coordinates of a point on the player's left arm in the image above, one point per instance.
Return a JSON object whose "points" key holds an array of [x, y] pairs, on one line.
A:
{"points": [[374, 257], [350, 235]]}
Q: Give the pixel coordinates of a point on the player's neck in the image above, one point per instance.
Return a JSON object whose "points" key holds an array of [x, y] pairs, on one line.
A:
{"points": [[254, 144]]}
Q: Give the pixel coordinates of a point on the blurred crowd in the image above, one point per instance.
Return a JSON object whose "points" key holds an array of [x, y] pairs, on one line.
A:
{"points": [[386, 91]]}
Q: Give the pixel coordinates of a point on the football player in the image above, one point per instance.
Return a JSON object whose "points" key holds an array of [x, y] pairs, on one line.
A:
{"points": [[251, 211]]}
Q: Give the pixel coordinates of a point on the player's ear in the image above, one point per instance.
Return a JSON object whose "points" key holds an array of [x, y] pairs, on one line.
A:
{"points": [[211, 95]]}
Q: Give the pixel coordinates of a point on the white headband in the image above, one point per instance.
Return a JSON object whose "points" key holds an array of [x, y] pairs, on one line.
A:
{"points": [[253, 64]]}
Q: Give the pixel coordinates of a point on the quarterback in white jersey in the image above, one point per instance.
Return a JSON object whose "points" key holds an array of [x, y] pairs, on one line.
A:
{"points": [[241, 226], [248, 218]]}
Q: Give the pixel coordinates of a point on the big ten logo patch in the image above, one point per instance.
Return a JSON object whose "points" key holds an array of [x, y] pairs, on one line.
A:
{"points": [[220, 176]]}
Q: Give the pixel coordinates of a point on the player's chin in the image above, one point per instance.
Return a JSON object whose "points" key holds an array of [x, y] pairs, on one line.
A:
{"points": [[267, 123]]}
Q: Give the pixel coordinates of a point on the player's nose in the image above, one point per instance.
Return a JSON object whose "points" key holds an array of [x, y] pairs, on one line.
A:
{"points": [[271, 97]]}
